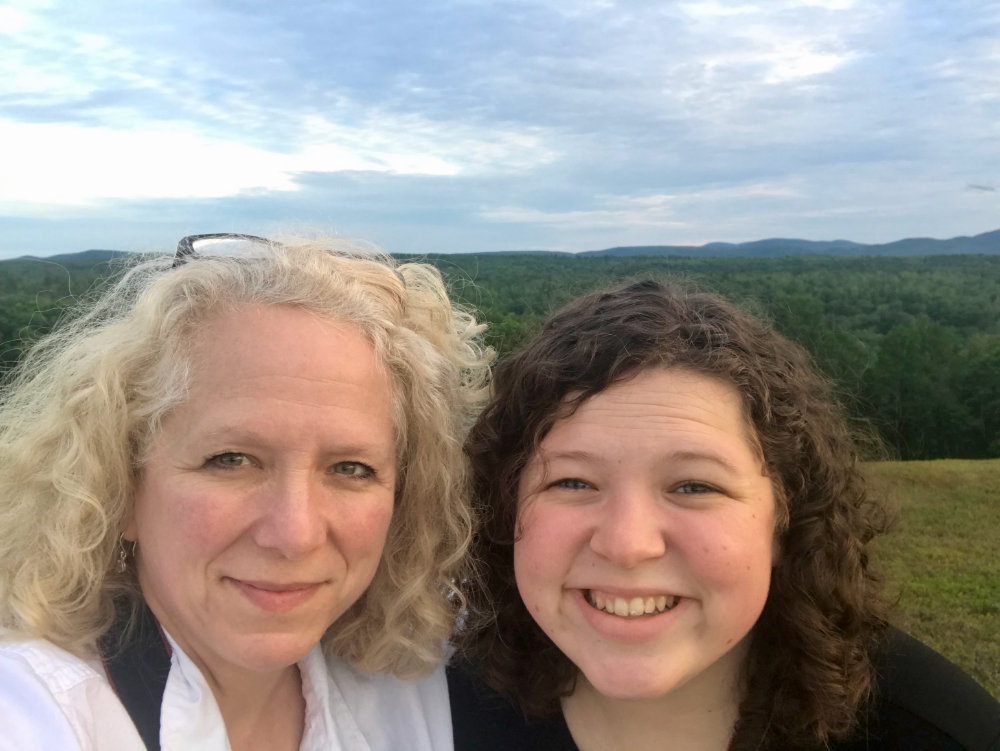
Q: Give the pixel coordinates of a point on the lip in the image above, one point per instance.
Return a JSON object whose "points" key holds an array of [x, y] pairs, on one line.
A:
{"points": [[276, 597], [626, 629]]}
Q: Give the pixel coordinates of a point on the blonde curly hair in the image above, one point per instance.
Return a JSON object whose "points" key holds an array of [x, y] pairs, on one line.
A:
{"points": [[78, 413]]}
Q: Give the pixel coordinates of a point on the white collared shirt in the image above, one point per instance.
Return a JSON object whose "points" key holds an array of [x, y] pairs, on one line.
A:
{"points": [[50, 699]]}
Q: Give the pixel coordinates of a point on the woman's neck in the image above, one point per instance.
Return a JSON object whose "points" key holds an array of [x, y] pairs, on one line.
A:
{"points": [[699, 716], [261, 709], [265, 713]]}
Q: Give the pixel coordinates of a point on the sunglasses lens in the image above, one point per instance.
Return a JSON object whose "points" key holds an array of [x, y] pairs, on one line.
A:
{"points": [[242, 247], [251, 246]]}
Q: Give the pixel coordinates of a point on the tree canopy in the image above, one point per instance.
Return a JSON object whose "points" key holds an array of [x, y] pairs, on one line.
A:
{"points": [[912, 344]]}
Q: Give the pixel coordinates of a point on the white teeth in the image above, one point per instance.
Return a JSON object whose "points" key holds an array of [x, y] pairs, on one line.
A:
{"points": [[632, 607]]}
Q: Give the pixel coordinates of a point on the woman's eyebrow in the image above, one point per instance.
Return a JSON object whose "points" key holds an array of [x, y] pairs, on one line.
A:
{"points": [[574, 454], [680, 455], [256, 437], [709, 456]]}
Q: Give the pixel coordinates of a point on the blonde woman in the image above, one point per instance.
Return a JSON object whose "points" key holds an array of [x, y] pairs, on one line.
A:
{"points": [[232, 506]]}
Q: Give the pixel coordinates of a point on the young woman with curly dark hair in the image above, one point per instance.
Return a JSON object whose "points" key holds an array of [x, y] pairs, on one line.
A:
{"points": [[676, 551]]}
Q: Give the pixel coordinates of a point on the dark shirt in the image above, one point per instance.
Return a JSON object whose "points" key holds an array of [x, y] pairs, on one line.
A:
{"points": [[923, 703]]}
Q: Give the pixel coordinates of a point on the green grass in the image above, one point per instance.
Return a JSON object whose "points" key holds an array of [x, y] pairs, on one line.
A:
{"points": [[942, 560]]}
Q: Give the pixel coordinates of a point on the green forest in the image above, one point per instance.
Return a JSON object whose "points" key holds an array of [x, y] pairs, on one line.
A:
{"points": [[912, 344]]}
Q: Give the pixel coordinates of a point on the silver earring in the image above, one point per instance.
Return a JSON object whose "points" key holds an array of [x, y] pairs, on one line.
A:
{"points": [[123, 554]]}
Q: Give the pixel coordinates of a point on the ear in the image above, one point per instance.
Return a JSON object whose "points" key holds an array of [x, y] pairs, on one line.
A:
{"points": [[776, 550], [129, 529], [780, 521]]}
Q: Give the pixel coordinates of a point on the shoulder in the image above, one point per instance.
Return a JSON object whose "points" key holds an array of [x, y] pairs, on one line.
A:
{"points": [[50, 698], [49, 664], [390, 712], [483, 720], [923, 701]]}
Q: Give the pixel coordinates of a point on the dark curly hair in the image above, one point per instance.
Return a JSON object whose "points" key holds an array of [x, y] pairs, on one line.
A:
{"points": [[809, 669]]}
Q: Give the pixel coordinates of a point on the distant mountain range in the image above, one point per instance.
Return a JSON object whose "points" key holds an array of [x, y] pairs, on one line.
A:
{"points": [[83, 255], [987, 243]]}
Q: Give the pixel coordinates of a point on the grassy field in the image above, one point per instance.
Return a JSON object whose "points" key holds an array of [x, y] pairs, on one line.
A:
{"points": [[943, 559]]}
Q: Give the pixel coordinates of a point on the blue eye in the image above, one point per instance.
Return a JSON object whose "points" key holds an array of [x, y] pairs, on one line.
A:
{"points": [[359, 470], [227, 460], [572, 483], [695, 488]]}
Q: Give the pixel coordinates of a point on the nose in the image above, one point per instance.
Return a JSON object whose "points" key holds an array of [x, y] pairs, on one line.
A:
{"points": [[290, 520], [631, 529]]}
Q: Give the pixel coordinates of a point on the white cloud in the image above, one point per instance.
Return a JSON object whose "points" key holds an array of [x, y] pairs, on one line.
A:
{"points": [[780, 55], [63, 164], [778, 42], [107, 116], [13, 20], [410, 144], [56, 65], [59, 164], [830, 4], [526, 119], [583, 219], [798, 60], [659, 211], [718, 9]]}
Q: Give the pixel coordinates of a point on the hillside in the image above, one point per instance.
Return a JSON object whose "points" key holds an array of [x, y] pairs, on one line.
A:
{"points": [[942, 559], [912, 343], [986, 243]]}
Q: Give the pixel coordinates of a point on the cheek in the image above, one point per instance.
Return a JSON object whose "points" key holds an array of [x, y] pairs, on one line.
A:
{"points": [[363, 533], [531, 580], [184, 520], [526, 563], [736, 555], [525, 569], [378, 525], [207, 530], [542, 556]]}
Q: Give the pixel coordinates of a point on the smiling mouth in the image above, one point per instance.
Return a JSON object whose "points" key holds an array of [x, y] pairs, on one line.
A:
{"points": [[279, 588], [277, 597], [630, 607]]}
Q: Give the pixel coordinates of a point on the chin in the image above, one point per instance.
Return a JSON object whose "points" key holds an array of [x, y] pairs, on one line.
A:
{"points": [[630, 687], [274, 652]]}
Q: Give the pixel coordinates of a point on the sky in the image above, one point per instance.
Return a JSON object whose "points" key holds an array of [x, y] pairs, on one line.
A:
{"points": [[470, 125]]}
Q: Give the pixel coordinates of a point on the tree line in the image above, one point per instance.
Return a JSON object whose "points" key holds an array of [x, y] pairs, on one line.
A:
{"points": [[911, 344]]}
